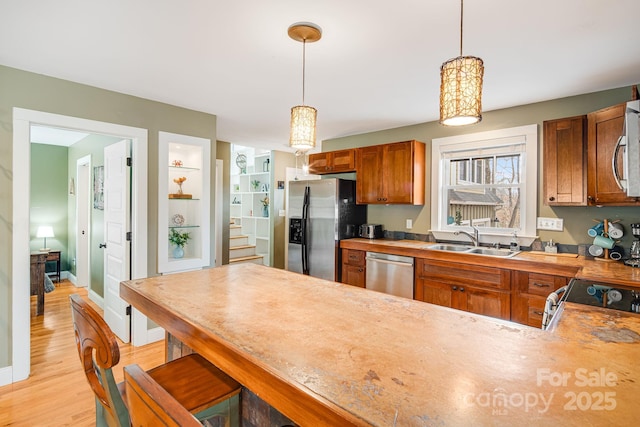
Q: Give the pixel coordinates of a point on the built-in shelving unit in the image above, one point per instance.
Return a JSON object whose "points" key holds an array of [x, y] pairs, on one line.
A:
{"points": [[183, 200], [250, 186]]}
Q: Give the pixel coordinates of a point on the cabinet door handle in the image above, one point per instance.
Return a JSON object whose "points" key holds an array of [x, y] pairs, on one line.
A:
{"points": [[360, 270], [461, 289], [538, 313], [455, 288], [622, 142], [551, 199], [541, 285]]}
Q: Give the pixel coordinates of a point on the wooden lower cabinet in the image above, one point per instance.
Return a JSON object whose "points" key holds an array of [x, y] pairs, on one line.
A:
{"points": [[354, 268], [472, 288], [530, 291]]}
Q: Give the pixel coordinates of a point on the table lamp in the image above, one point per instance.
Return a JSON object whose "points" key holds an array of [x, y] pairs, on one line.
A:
{"points": [[45, 231]]}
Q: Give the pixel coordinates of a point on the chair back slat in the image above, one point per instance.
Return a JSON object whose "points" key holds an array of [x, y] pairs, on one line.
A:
{"points": [[150, 404]]}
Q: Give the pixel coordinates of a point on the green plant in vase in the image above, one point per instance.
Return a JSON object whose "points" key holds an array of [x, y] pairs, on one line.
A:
{"points": [[265, 206], [179, 240], [255, 184]]}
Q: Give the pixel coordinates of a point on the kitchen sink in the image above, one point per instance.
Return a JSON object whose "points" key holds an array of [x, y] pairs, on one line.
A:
{"points": [[476, 250], [448, 247], [505, 253]]}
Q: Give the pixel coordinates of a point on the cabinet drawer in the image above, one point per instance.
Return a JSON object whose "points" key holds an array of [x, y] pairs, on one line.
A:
{"points": [[544, 284], [353, 257], [536, 309], [464, 274]]}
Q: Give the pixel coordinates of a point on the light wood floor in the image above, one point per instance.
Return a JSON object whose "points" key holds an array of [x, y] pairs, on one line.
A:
{"points": [[57, 392]]}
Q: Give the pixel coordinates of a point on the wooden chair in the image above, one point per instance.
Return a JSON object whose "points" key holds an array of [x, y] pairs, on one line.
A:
{"points": [[198, 386], [151, 405]]}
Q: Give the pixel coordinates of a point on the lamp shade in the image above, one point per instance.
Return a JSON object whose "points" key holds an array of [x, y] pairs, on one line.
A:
{"points": [[45, 231], [461, 91], [303, 128]]}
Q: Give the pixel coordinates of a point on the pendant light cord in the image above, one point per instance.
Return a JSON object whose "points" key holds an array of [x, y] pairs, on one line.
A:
{"points": [[461, 14], [304, 54]]}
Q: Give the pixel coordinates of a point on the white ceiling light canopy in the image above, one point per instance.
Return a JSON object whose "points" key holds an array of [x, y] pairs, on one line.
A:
{"points": [[461, 87], [303, 117]]}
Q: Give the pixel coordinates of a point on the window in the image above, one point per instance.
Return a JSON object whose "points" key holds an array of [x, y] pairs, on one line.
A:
{"points": [[488, 180]]}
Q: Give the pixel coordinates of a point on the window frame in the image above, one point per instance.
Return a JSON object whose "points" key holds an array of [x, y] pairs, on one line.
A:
{"points": [[528, 185]]}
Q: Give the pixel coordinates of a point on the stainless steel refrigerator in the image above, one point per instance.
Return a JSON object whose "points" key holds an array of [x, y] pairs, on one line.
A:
{"points": [[321, 213]]}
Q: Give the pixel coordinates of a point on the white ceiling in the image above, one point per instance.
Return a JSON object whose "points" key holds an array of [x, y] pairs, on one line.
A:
{"points": [[376, 66]]}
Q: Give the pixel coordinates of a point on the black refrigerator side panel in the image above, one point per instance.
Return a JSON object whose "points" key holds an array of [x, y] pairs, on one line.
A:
{"points": [[350, 215]]}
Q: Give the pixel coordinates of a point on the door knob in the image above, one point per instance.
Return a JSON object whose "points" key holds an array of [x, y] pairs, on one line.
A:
{"points": [[102, 245]]}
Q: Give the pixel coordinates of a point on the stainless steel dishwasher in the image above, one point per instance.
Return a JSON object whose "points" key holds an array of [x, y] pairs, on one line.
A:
{"points": [[391, 274]]}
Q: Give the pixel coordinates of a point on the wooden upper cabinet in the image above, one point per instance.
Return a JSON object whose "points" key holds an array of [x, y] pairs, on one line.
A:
{"points": [[565, 162], [604, 129], [391, 173], [332, 162]]}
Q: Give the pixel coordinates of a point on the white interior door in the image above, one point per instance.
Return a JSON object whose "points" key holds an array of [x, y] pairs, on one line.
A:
{"points": [[116, 225], [83, 221]]}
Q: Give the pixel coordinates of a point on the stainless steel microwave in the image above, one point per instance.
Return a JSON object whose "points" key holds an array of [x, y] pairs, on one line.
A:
{"points": [[629, 142]]}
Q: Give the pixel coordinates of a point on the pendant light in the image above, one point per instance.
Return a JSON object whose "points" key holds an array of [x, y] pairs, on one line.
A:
{"points": [[303, 117], [461, 88]]}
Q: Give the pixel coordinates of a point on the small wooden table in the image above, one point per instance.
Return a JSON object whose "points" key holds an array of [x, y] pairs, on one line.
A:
{"points": [[38, 260], [54, 256]]}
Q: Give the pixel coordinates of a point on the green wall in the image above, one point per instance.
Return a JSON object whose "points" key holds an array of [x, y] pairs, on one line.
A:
{"points": [[49, 187], [37, 92], [577, 219]]}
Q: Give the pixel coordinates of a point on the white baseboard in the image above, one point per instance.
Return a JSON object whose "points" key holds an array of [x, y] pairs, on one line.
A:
{"points": [[70, 277], [93, 296], [155, 334], [6, 375]]}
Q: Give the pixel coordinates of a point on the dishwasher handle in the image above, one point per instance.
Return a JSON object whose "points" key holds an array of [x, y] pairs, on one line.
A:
{"points": [[384, 261]]}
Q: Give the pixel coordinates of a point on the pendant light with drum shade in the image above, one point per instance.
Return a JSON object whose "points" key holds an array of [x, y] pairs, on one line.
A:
{"points": [[461, 88], [303, 118]]}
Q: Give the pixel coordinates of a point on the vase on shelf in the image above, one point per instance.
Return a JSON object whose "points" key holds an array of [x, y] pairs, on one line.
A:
{"points": [[265, 211], [178, 252]]}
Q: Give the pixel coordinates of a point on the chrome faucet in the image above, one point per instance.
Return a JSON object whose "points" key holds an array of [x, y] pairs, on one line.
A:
{"points": [[474, 237]]}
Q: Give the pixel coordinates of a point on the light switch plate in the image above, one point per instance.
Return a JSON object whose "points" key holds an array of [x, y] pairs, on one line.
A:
{"points": [[552, 224], [409, 224]]}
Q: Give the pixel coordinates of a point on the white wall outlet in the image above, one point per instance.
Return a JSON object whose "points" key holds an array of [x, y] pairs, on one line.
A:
{"points": [[282, 212], [552, 224], [409, 224]]}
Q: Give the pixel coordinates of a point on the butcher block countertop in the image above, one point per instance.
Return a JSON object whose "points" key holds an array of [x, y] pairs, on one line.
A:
{"points": [[538, 262], [324, 353]]}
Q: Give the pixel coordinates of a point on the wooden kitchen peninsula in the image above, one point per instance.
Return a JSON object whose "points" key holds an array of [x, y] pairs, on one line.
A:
{"points": [[324, 353]]}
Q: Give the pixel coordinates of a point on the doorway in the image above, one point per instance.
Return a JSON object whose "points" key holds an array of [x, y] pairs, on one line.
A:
{"points": [[22, 120], [83, 223]]}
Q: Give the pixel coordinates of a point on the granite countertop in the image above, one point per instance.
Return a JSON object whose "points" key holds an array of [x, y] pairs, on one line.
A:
{"points": [[564, 264], [325, 353]]}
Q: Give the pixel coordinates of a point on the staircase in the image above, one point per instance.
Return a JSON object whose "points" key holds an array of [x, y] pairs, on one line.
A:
{"points": [[239, 248]]}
